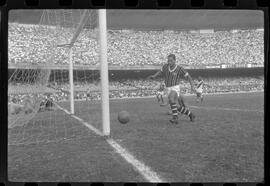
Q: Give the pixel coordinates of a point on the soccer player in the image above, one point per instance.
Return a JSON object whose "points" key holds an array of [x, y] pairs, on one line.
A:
{"points": [[46, 104], [160, 93], [88, 94], [172, 74], [199, 89]]}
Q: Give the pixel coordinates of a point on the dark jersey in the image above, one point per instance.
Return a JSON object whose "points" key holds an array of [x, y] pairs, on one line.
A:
{"points": [[173, 76]]}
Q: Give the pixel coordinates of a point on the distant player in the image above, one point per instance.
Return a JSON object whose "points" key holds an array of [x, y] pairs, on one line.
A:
{"points": [[88, 94], [172, 74], [47, 104], [199, 89], [160, 94]]}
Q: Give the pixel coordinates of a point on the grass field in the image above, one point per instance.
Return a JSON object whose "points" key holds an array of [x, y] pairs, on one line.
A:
{"points": [[224, 144]]}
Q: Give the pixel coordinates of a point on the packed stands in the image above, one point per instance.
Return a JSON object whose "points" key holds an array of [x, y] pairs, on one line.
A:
{"points": [[33, 44]]}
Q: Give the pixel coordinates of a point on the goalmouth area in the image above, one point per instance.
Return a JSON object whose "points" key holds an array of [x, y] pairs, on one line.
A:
{"points": [[225, 143]]}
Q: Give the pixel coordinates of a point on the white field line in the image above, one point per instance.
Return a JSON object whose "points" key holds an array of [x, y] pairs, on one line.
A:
{"points": [[225, 93], [139, 166], [227, 109], [146, 171]]}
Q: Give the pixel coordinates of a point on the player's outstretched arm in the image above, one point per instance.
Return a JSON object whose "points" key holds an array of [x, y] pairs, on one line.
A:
{"points": [[155, 75]]}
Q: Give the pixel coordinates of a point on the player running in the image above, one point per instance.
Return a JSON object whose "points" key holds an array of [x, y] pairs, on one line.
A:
{"points": [[160, 94], [172, 74], [199, 89]]}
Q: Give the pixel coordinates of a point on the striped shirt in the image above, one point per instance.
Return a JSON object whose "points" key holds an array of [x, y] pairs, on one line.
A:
{"points": [[173, 76], [200, 84]]}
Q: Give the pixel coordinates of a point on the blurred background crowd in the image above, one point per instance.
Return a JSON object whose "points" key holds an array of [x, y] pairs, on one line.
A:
{"points": [[141, 88], [36, 44], [135, 48]]}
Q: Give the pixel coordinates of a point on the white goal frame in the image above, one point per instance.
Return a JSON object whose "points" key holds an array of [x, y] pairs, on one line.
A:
{"points": [[103, 67]]}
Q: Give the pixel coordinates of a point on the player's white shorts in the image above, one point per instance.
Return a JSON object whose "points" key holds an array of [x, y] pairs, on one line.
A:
{"points": [[160, 93], [174, 88], [199, 90]]}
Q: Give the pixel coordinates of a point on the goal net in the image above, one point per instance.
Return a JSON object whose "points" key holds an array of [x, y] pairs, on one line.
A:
{"points": [[54, 76]]}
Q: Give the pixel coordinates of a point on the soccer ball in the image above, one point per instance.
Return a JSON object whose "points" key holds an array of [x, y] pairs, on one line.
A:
{"points": [[123, 117]]}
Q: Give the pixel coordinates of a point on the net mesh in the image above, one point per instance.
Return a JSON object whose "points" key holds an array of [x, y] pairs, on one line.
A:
{"points": [[38, 88]]}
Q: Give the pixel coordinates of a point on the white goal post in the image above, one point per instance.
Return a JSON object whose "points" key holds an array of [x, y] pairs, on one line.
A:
{"points": [[103, 66], [104, 72]]}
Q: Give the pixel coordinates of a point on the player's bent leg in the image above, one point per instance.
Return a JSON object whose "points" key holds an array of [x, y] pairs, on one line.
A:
{"points": [[158, 98], [162, 102], [161, 97], [201, 96], [183, 108], [173, 104], [197, 97], [181, 100]]}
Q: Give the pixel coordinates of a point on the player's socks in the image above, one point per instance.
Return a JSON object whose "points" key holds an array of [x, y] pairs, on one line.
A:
{"points": [[174, 110], [184, 110], [174, 120]]}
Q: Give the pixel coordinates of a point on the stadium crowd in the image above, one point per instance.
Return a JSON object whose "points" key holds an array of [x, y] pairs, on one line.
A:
{"points": [[36, 44], [142, 88]]}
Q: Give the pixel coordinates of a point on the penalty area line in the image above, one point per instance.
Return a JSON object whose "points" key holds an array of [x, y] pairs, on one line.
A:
{"points": [[227, 109], [139, 166]]}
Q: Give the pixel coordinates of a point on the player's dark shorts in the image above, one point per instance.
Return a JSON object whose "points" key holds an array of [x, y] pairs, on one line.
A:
{"points": [[48, 103]]}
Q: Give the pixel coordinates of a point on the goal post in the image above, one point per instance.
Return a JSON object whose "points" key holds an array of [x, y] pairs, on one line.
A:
{"points": [[104, 72], [103, 66], [71, 83], [69, 45]]}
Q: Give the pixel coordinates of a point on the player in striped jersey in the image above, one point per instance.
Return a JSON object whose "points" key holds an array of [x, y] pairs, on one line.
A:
{"points": [[172, 74], [199, 89]]}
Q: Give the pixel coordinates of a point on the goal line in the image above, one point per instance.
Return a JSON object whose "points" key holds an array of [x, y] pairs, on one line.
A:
{"points": [[137, 165]]}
